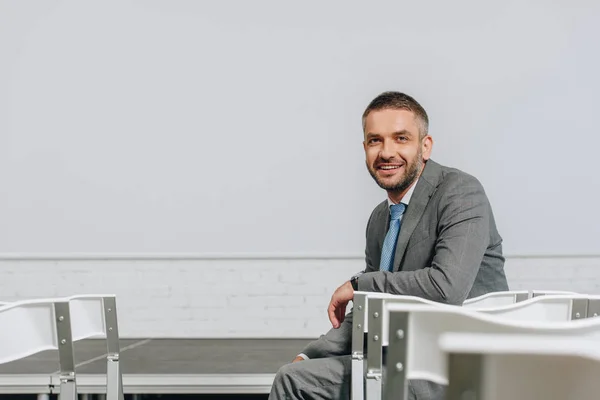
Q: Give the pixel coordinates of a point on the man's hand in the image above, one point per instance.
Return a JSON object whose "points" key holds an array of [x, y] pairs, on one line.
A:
{"points": [[298, 358], [338, 303]]}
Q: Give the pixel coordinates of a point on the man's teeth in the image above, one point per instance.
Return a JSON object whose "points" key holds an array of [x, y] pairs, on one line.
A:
{"points": [[389, 167]]}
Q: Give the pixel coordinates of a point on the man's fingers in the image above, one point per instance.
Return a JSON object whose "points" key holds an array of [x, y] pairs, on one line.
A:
{"points": [[332, 315], [341, 313], [337, 307]]}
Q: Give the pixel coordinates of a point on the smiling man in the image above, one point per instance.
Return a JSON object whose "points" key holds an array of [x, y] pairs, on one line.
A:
{"points": [[433, 237]]}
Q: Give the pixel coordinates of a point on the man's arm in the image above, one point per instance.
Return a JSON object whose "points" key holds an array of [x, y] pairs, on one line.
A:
{"points": [[337, 341], [463, 238]]}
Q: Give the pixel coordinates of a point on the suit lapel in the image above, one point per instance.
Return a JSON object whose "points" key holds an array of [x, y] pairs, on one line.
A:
{"points": [[384, 220], [423, 191]]}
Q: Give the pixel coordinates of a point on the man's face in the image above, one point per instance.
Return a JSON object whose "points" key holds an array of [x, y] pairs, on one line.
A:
{"points": [[394, 153]]}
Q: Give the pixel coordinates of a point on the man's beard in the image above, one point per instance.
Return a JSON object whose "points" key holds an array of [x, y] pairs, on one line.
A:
{"points": [[412, 171]]}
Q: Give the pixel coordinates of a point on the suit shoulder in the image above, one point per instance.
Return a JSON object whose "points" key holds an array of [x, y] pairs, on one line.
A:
{"points": [[454, 178]]}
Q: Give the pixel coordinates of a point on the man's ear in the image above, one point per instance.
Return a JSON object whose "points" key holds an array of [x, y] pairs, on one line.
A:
{"points": [[426, 146]]}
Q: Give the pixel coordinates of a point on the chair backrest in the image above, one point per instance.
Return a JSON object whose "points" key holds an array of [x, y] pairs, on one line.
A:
{"points": [[88, 315], [374, 304], [496, 299], [535, 293], [555, 307], [26, 328], [520, 367], [361, 305], [548, 308], [509, 302], [30, 326], [415, 330]]}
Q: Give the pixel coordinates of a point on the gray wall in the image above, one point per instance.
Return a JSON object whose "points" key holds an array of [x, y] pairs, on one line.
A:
{"points": [[205, 127]]}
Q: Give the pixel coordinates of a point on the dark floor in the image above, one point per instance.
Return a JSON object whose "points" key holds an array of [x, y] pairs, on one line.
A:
{"points": [[169, 357], [204, 356]]}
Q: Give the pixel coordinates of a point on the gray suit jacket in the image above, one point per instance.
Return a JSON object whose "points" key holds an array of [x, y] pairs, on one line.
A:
{"points": [[448, 249]]}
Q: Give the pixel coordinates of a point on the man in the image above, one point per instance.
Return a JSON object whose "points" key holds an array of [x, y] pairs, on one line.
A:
{"points": [[434, 237]]}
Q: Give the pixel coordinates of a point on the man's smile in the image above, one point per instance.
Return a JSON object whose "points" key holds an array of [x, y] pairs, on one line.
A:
{"points": [[388, 169]]}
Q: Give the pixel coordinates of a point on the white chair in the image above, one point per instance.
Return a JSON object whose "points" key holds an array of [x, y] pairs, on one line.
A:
{"points": [[31, 326], [521, 367], [547, 308], [360, 323], [369, 310], [369, 306], [414, 332], [371, 317]]}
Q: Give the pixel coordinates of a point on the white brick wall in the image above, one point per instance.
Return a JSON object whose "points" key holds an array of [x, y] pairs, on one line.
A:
{"points": [[238, 297]]}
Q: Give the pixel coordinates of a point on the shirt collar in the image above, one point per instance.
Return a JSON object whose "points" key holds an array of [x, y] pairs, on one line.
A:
{"points": [[407, 196]]}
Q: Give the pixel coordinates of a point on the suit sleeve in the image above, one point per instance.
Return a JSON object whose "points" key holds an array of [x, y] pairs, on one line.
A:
{"points": [[336, 342], [463, 236], [368, 257]]}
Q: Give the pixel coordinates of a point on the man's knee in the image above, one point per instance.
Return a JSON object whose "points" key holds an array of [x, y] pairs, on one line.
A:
{"points": [[286, 377], [284, 372], [316, 378]]}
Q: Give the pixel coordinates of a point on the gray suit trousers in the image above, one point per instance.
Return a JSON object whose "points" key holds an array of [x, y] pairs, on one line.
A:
{"points": [[330, 378]]}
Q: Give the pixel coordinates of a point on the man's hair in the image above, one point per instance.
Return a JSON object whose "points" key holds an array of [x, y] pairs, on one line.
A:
{"points": [[399, 101]]}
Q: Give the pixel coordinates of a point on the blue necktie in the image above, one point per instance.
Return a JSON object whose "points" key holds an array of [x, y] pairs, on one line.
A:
{"points": [[391, 238]]}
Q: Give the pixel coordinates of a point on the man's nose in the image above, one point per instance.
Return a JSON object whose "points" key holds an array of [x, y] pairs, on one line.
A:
{"points": [[387, 150]]}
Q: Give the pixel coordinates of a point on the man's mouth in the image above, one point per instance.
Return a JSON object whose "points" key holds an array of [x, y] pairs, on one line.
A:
{"points": [[388, 167]]}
